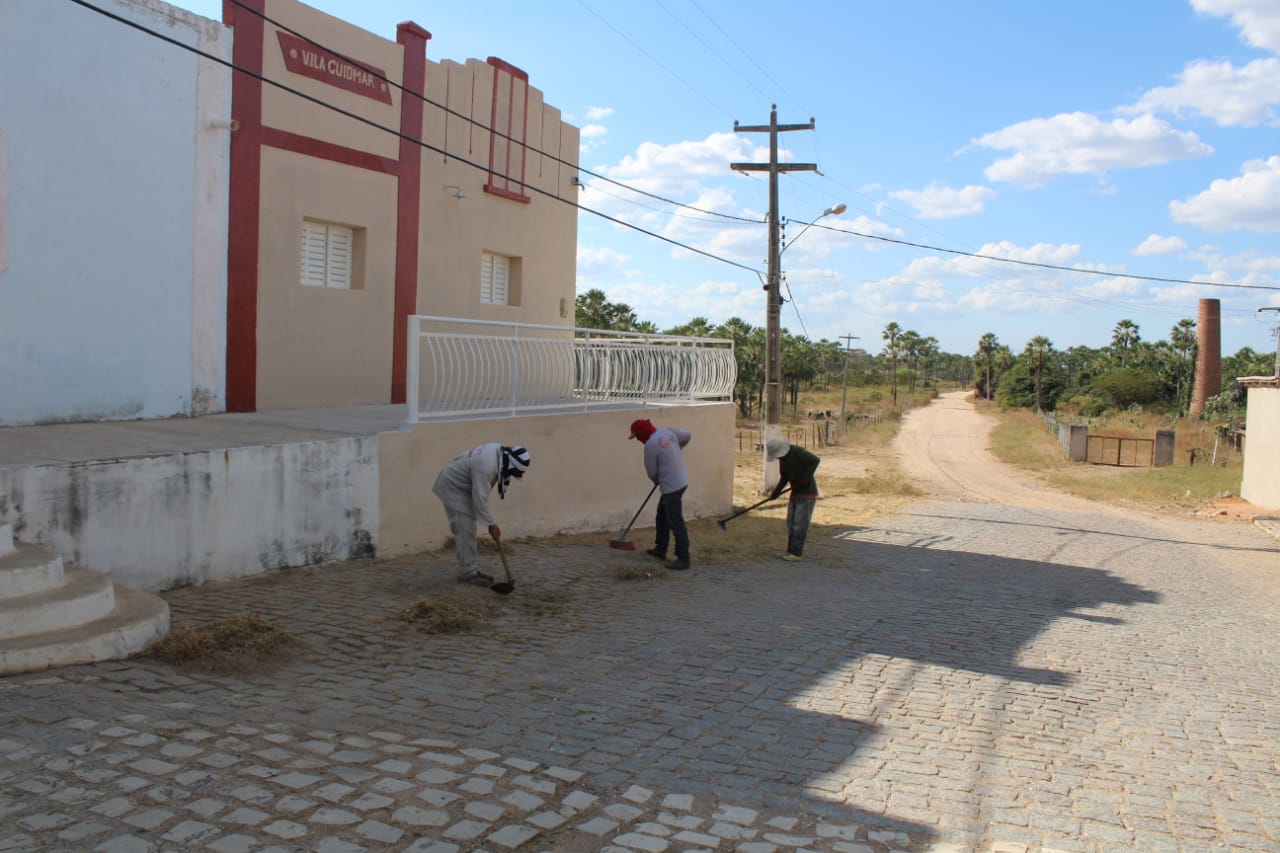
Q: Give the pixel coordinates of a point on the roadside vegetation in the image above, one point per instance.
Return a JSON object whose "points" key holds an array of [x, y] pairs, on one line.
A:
{"points": [[1130, 388]]}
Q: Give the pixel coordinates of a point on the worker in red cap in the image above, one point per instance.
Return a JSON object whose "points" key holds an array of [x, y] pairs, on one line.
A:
{"points": [[664, 463]]}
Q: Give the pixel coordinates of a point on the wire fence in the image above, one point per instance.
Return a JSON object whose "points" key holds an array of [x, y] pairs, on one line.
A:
{"points": [[819, 432]]}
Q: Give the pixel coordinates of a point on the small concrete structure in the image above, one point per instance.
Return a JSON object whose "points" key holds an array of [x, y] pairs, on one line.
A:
{"points": [[1261, 484], [52, 614]]}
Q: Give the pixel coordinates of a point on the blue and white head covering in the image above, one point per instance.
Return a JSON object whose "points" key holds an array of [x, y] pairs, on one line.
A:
{"points": [[514, 462]]}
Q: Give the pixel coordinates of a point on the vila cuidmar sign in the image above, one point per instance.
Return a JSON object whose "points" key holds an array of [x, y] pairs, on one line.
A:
{"points": [[303, 57]]}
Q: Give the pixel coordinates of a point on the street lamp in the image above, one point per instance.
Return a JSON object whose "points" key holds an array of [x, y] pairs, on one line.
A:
{"points": [[830, 211], [773, 333]]}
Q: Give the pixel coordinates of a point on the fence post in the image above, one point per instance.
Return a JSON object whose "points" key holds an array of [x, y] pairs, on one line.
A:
{"points": [[1078, 443], [1162, 454]]}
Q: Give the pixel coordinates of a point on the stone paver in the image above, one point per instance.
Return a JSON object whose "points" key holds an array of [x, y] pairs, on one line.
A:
{"points": [[956, 677]]}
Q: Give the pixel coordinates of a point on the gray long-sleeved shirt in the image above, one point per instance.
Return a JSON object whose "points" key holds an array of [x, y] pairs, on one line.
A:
{"points": [[465, 483], [663, 461]]}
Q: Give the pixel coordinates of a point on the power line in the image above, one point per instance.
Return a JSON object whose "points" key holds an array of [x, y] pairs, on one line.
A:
{"points": [[1045, 265], [605, 178], [481, 125], [428, 146], [654, 59]]}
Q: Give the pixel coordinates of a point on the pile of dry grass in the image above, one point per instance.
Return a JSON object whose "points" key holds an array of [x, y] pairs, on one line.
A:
{"points": [[238, 643], [638, 572], [449, 614]]}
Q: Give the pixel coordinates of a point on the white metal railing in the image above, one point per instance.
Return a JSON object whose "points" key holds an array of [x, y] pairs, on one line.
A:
{"points": [[460, 367]]}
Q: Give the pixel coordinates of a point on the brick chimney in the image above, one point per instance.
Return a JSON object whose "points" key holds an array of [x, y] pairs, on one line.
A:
{"points": [[1208, 354]]}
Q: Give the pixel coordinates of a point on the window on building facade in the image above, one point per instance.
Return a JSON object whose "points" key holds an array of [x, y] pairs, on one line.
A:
{"points": [[328, 252], [495, 279]]}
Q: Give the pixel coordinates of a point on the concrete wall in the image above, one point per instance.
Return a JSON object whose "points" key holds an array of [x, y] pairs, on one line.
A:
{"points": [[585, 473], [323, 346], [117, 204], [541, 234], [1261, 485], [156, 522], [164, 521]]}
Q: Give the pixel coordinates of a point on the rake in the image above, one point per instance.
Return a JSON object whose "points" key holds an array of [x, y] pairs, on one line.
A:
{"points": [[622, 543]]}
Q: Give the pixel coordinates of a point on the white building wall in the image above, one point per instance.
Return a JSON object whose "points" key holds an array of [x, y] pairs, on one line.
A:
{"points": [[115, 290], [158, 522], [1260, 484]]}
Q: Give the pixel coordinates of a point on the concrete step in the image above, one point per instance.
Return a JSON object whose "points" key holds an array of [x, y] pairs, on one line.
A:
{"points": [[83, 596], [26, 569], [137, 620]]}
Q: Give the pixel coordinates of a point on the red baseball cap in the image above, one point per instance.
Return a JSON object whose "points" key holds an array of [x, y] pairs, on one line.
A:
{"points": [[642, 428]]}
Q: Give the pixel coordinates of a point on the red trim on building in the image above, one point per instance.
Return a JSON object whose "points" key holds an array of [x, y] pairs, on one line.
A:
{"points": [[492, 187], [408, 199], [244, 207], [297, 143]]}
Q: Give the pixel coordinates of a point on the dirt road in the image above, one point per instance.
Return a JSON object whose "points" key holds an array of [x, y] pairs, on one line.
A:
{"points": [[943, 451]]}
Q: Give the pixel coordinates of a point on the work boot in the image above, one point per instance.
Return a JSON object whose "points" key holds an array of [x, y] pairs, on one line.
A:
{"points": [[476, 579], [656, 554], [678, 565], [792, 558]]}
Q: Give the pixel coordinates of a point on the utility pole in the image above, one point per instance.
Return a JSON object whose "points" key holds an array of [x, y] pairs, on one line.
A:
{"points": [[1277, 333], [844, 391], [773, 334]]}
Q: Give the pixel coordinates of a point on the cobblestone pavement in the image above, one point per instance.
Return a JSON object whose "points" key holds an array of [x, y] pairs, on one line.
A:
{"points": [[958, 676]]}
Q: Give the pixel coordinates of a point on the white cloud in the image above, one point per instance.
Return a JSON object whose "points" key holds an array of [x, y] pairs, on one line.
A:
{"points": [[1157, 245], [677, 164], [591, 136], [1231, 96], [601, 257], [1080, 143], [597, 113], [1250, 202], [1257, 20], [938, 202]]}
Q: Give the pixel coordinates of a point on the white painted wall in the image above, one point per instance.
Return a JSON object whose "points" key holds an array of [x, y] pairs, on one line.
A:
{"points": [[1260, 485], [115, 291], [164, 521]]}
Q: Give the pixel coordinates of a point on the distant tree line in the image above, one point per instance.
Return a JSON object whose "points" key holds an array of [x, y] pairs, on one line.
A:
{"points": [[1156, 375], [908, 358]]}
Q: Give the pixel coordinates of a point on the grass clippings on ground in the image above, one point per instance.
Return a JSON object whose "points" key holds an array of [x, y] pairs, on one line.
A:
{"points": [[239, 643], [639, 572], [449, 613]]}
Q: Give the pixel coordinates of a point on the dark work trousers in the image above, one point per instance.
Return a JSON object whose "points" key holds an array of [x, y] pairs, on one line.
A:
{"points": [[670, 523], [799, 514]]}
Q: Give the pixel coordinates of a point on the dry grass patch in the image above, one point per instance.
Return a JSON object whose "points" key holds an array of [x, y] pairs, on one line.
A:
{"points": [[639, 572], [449, 612], [238, 643], [1020, 439]]}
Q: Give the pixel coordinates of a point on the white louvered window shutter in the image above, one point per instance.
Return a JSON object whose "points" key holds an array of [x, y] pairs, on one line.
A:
{"points": [[313, 254], [339, 257], [495, 278], [326, 253]]}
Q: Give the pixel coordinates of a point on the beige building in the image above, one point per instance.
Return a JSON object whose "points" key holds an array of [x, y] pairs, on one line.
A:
{"points": [[1260, 484], [372, 184]]}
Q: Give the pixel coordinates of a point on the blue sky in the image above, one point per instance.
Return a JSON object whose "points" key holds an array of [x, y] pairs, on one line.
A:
{"points": [[1138, 137]]}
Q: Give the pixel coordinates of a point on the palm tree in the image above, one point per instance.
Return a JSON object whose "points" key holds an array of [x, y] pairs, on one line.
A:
{"points": [[1183, 339], [593, 310], [987, 344], [1038, 349], [928, 351], [910, 341], [891, 334], [1124, 337]]}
